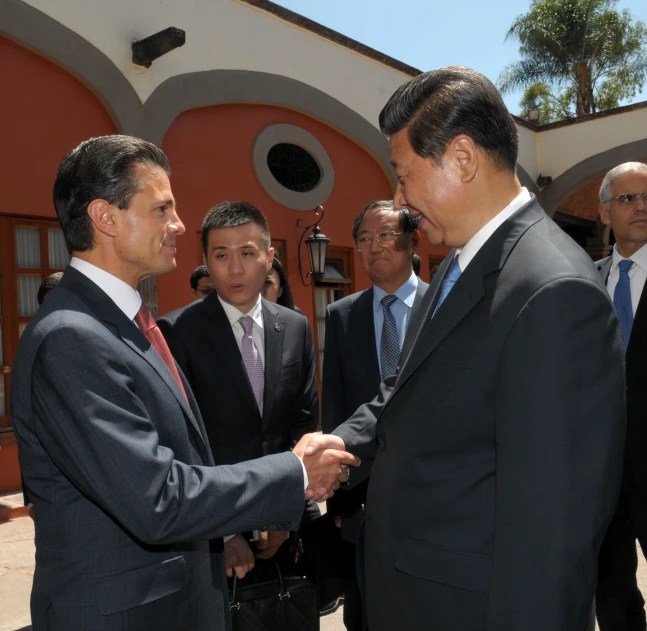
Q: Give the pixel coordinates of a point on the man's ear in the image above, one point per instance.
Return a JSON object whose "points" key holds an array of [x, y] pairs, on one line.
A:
{"points": [[270, 258], [415, 240], [605, 217], [101, 215], [463, 154]]}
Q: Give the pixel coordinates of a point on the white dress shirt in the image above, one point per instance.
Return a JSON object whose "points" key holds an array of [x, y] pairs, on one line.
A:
{"points": [[637, 274], [256, 314], [121, 293], [471, 248]]}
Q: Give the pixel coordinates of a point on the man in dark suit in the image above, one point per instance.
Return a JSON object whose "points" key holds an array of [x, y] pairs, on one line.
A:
{"points": [[358, 335], [245, 419], [111, 444], [496, 451], [620, 605]]}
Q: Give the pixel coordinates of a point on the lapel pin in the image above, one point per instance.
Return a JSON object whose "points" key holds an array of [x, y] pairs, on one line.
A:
{"points": [[277, 327]]}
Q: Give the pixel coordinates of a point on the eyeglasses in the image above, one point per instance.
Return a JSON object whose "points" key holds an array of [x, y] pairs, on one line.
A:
{"points": [[383, 238], [204, 292], [628, 199]]}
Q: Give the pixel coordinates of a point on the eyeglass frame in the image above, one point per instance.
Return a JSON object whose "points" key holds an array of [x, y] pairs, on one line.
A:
{"points": [[635, 197], [377, 238], [204, 292]]}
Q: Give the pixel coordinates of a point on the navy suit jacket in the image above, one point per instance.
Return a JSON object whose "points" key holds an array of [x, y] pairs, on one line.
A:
{"points": [[495, 454], [119, 469]]}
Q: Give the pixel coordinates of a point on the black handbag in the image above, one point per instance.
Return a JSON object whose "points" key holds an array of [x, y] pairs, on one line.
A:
{"points": [[281, 603]]}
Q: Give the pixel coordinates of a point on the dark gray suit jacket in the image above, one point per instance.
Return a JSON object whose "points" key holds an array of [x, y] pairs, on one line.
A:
{"points": [[202, 342], [635, 472], [497, 456], [351, 377], [120, 473]]}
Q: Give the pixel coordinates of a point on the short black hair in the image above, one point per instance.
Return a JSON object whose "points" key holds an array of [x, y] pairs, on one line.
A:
{"points": [[99, 168], [439, 105], [232, 215], [285, 299], [47, 285], [198, 273], [416, 263], [408, 223]]}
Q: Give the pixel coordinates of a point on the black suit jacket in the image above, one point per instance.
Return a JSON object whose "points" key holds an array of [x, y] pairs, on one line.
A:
{"points": [[351, 377], [120, 473], [635, 477], [496, 451], [202, 341]]}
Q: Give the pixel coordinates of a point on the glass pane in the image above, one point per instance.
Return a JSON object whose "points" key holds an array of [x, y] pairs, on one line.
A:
{"points": [[321, 332], [28, 247], [21, 327], [27, 294], [58, 256], [321, 301], [3, 407]]}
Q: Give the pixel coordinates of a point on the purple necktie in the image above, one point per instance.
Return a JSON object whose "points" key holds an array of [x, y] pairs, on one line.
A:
{"points": [[252, 359]]}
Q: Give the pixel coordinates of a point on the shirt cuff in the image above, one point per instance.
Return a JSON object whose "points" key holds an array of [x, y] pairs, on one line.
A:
{"points": [[226, 538], [305, 474]]}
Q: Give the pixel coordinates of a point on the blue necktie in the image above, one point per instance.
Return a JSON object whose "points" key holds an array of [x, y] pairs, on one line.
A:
{"points": [[622, 301], [448, 282], [389, 343]]}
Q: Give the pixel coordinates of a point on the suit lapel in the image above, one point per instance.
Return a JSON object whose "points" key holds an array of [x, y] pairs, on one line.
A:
{"points": [[469, 288], [362, 324], [274, 332], [413, 327], [217, 328], [109, 312], [604, 267], [640, 323]]}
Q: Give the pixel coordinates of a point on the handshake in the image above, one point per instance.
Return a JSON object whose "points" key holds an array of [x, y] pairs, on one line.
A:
{"points": [[326, 462]]}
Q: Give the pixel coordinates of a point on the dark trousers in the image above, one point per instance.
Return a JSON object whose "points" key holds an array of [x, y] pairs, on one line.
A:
{"points": [[619, 603], [353, 608]]}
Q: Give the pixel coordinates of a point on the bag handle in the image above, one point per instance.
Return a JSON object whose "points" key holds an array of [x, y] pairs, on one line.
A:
{"points": [[283, 593]]}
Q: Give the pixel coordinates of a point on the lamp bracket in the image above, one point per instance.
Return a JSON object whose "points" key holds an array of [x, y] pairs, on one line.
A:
{"points": [[315, 230]]}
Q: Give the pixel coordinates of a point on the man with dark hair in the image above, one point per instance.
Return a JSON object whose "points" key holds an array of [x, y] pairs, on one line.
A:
{"points": [[365, 333], [623, 207], [47, 285], [250, 362], [495, 452], [201, 284], [111, 444]]}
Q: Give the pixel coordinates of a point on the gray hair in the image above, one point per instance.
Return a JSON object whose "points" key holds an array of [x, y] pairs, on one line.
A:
{"points": [[609, 178], [409, 224]]}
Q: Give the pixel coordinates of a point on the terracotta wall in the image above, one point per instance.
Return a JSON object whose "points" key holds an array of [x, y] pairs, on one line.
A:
{"points": [[45, 113], [210, 150]]}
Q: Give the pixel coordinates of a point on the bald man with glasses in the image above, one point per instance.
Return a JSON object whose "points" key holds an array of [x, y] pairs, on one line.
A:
{"points": [[623, 207]]}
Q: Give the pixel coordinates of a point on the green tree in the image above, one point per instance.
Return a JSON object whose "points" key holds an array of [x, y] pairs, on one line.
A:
{"points": [[577, 57]]}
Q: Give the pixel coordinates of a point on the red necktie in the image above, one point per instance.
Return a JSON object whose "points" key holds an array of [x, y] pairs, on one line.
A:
{"points": [[149, 328]]}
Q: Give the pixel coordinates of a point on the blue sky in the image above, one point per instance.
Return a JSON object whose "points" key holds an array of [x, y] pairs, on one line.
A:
{"points": [[429, 34]]}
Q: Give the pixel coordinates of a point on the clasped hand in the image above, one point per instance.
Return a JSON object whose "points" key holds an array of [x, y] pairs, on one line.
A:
{"points": [[326, 462]]}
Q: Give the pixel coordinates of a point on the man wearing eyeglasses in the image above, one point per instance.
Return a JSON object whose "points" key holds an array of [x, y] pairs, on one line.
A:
{"points": [[623, 207], [201, 283], [365, 333]]}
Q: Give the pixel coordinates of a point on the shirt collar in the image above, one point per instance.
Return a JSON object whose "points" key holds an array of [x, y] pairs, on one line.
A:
{"points": [[406, 292], [121, 293], [639, 258], [466, 255], [234, 314]]}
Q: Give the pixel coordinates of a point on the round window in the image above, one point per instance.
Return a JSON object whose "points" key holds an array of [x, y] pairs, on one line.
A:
{"points": [[293, 167]]}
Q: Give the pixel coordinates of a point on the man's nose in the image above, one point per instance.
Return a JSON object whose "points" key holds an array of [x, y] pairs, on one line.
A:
{"points": [[398, 198], [176, 222]]}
